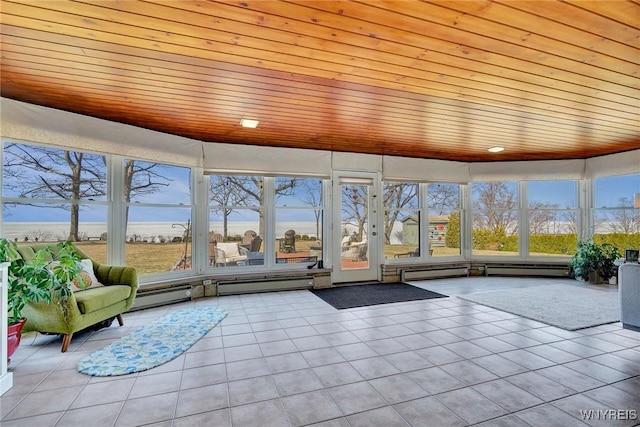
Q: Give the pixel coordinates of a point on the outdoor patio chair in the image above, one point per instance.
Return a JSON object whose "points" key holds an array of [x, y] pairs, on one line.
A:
{"points": [[288, 244], [255, 244], [247, 238], [356, 251], [229, 254], [345, 243]]}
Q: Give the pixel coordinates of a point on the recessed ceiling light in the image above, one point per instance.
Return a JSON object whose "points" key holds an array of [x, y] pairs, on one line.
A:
{"points": [[247, 123], [495, 149]]}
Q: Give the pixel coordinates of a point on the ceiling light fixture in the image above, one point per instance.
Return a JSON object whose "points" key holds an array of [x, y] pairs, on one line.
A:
{"points": [[495, 149], [248, 123]]}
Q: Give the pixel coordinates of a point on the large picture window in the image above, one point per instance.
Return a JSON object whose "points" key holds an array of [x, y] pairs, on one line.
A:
{"points": [[146, 220], [244, 232], [444, 207], [405, 203], [158, 220], [401, 219], [553, 217], [236, 220], [298, 220], [617, 211], [496, 214], [50, 195]]}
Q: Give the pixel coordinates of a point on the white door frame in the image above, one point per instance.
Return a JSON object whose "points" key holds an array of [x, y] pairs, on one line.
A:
{"points": [[361, 271]]}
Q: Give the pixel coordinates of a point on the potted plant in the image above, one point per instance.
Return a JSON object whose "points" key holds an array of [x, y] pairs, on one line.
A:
{"points": [[594, 262], [35, 280]]}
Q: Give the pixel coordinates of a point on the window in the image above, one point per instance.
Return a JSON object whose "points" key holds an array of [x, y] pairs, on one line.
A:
{"points": [[443, 204], [243, 230], [298, 214], [51, 194], [553, 217], [236, 217], [617, 211], [495, 218], [401, 219], [404, 221], [158, 221]]}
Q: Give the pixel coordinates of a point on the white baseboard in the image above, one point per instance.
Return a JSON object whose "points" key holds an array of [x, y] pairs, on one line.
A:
{"points": [[6, 382]]}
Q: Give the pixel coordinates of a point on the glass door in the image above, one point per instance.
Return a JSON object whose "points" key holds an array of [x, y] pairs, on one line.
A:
{"points": [[355, 232]]}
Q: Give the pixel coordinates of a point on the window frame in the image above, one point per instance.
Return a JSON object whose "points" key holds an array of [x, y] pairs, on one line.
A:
{"points": [[423, 209], [270, 221]]}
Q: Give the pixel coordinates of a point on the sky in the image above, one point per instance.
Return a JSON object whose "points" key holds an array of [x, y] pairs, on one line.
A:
{"points": [[609, 190], [608, 193]]}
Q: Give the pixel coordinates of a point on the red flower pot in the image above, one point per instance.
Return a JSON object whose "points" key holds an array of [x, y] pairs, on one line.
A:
{"points": [[13, 337]]}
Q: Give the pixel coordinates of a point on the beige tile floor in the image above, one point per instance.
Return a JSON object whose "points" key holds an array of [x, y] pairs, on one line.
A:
{"points": [[289, 359]]}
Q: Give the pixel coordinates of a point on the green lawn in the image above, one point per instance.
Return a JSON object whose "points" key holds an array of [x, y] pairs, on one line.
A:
{"points": [[155, 258]]}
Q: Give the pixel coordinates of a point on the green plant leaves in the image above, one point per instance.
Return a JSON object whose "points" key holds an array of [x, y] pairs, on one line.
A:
{"points": [[35, 280], [591, 256]]}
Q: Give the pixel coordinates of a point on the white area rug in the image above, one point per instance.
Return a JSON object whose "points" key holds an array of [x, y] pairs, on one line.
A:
{"points": [[565, 306]]}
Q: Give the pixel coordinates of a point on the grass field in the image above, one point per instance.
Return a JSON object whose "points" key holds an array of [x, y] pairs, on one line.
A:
{"points": [[155, 258], [145, 257]]}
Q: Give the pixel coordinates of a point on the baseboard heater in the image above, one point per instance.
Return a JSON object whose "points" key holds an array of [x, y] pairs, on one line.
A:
{"points": [[255, 285], [527, 270], [160, 297], [434, 273]]}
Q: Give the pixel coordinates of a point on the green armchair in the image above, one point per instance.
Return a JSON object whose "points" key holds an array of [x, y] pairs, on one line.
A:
{"points": [[83, 308]]}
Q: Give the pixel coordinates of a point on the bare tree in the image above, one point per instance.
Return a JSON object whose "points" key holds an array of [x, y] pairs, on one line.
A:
{"points": [[224, 196], [355, 209], [397, 197], [443, 198], [45, 173], [313, 197], [49, 173], [495, 207], [625, 219], [250, 191], [542, 218], [570, 221], [141, 178]]}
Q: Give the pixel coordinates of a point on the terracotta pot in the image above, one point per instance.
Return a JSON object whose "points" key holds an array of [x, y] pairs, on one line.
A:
{"points": [[13, 337]]}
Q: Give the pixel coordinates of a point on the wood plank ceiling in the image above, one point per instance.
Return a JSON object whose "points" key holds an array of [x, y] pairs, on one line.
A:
{"points": [[431, 79]]}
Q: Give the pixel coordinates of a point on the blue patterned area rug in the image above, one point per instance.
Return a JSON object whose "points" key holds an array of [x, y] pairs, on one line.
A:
{"points": [[154, 344]]}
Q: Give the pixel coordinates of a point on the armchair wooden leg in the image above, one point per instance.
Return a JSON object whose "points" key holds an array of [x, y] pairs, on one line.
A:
{"points": [[120, 319], [66, 340]]}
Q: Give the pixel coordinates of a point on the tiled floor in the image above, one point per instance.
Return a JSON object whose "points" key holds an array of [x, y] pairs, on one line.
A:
{"points": [[289, 359]]}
